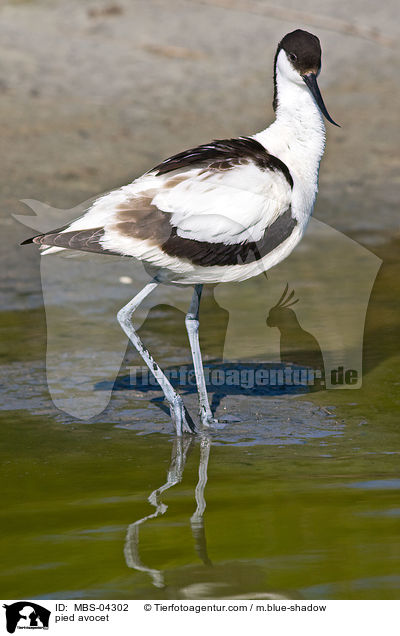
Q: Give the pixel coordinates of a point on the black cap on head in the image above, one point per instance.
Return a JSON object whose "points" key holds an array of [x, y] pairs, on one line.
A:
{"points": [[303, 49]]}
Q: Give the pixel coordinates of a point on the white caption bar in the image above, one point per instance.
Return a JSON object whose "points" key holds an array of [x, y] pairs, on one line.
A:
{"points": [[194, 617]]}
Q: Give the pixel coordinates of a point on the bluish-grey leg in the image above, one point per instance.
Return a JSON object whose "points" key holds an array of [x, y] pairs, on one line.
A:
{"points": [[181, 418], [192, 326]]}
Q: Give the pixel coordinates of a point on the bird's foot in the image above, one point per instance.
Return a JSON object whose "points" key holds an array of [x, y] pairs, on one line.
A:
{"points": [[208, 421], [181, 418]]}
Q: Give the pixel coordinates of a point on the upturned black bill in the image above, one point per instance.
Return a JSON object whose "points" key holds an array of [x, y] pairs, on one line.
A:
{"points": [[311, 81]]}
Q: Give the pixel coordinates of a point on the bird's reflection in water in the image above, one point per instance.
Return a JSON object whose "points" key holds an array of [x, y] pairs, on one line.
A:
{"points": [[180, 449], [224, 579], [197, 520]]}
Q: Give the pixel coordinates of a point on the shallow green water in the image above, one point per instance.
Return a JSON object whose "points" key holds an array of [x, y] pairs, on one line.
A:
{"points": [[306, 521], [302, 498]]}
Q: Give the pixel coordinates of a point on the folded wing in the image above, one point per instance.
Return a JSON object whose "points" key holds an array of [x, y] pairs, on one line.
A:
{"points": [[210, 205]]}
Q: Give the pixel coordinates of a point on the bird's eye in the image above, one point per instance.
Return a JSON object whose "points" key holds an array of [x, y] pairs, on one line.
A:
{"points": [[293, 57]]}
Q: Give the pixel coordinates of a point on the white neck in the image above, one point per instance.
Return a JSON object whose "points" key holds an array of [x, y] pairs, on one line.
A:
{"points": [[297, 136]]}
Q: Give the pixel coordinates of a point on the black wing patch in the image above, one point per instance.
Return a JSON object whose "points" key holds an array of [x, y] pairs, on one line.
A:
{"points": [[208, 254], [224, 154]]}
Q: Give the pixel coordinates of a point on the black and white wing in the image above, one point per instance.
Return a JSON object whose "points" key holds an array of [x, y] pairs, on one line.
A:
{"points": [[223, 203]]}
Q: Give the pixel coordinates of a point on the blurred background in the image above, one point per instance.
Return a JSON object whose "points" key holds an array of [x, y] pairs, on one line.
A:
{"points": [[92, 94]]}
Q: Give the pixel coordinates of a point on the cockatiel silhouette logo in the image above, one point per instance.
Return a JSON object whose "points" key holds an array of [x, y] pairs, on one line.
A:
{"points": [[26, 615]]}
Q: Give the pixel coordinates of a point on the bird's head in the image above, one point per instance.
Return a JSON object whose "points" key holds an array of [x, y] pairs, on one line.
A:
{"points": [[298, 59]]}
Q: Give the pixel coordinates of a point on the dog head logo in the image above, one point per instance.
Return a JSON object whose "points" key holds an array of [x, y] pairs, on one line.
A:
{"points": [[26, 615]]}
